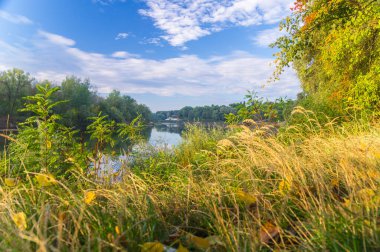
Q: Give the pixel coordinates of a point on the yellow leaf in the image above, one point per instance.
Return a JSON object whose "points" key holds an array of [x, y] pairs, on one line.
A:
{"points": [[347, 203], [45, 179], [284, 186], [20, 220], [366, 195], [11, 182], [110, 237], [48, 144], [215, 240], [152, 247], [268, 232], [117, 230], [182, 248], [247, 198], [335, 182], [199, 242], [89, 197]]}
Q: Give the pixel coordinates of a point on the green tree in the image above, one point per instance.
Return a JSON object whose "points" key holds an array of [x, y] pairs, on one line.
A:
{"points": [[14, 85], [334, 45], [80, 105]]}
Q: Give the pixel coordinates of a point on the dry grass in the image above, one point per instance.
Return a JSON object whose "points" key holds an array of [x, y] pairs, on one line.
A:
{"points": [[310, 188]]}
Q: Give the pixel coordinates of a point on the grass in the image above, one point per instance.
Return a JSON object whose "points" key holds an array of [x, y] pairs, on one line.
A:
{"points": [[309, 187]]}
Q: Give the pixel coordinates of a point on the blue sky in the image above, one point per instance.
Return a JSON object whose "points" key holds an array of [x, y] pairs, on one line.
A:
{"points": [[164, 53]]}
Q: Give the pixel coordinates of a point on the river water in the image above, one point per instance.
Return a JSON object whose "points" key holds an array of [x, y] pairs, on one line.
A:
{"points": [[165, 135]]}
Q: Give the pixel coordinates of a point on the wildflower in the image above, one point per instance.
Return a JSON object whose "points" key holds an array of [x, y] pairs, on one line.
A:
{"points": [[89, 197], [20, 220], [152, 247], [45, 179], [11, 182]]}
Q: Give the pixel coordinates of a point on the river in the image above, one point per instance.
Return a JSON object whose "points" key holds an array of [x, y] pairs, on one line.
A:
{"points": [[164, 134]]}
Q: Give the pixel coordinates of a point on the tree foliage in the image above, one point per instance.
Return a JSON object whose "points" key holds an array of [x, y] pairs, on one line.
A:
{"points": [[334, 45], [14, 85]]}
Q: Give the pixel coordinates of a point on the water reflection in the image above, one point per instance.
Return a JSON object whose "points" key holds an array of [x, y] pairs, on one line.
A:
{"points": [[165, 134]]}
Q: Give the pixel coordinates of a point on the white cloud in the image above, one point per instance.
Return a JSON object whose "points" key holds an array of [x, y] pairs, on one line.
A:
{"points": [[153, 41], [56, 39], [266, 37], [51, 56], [121, 35], [187, 20], [13, 18]]}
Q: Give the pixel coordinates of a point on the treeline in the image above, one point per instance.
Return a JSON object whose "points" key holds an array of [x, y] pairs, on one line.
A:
{"points": [[253, 107], [78, 100], [212, 113]]}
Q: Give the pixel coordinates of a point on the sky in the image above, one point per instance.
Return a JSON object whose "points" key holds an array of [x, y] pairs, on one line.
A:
{"points": [[166, 54]]}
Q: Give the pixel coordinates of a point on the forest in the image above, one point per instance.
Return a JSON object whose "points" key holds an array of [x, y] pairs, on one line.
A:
{"points": [[283, 175]]}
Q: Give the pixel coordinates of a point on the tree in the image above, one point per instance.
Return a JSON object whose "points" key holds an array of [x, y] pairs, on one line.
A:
{"points": [[123, 108], [80, 102], [334, 45], [14, 85]]}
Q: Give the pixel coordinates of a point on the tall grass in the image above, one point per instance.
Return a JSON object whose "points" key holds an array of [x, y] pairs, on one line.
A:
{"points": [[309, 187]]}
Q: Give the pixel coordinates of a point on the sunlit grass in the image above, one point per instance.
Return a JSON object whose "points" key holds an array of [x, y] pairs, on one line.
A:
{"points": [[310, 187]]}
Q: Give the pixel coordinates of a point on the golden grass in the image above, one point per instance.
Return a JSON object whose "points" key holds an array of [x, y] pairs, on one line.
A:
{"points": [[246, 190]]}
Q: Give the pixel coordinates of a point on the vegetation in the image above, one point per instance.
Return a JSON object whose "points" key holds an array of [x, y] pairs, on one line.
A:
{"points": [[335, 47], [213, 113], [81, 102], [309, 184]]}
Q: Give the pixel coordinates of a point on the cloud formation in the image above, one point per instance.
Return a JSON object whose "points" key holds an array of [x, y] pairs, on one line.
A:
{"points": [[52, 56], [187, 20], [14, 18]]}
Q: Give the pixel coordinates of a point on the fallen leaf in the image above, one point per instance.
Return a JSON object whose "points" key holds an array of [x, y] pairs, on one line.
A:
{"points": [[182, 248], [89, 197], [45, 179], [247, 198], [215, 240], [11, 182], [117, 230], [152, 247], [20, 220], [199, 242], [268, 232]]}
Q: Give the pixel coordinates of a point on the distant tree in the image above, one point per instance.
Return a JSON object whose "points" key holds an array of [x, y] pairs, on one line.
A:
{"points": [[123, 108], [80, 102], [14, 85]]}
